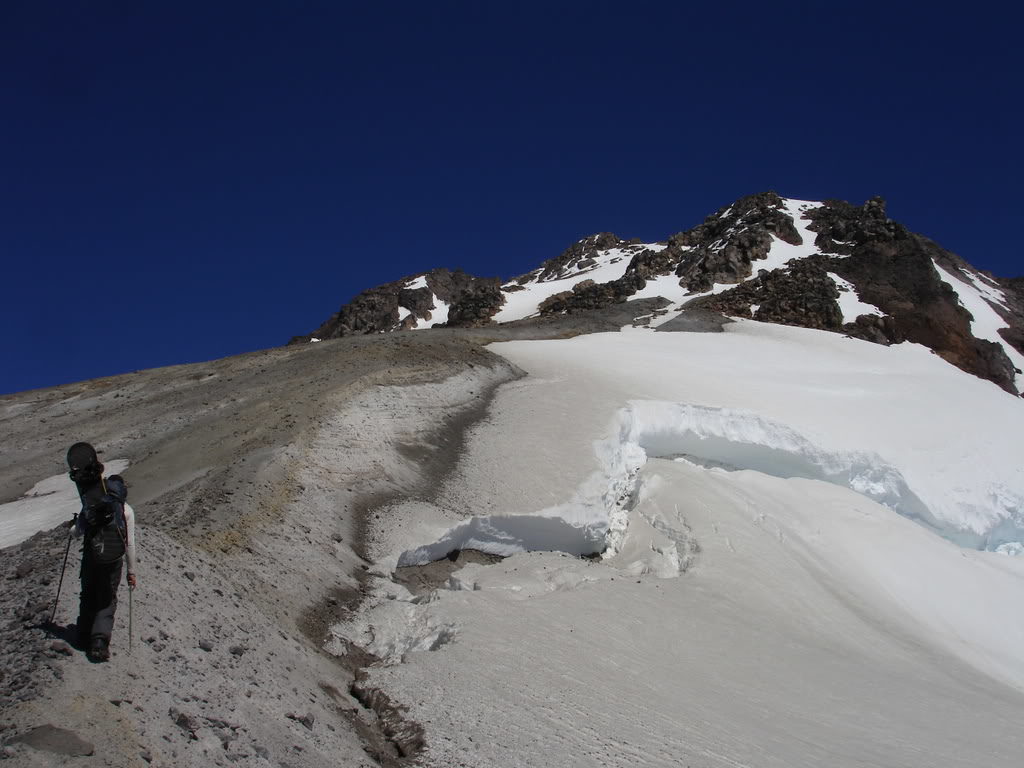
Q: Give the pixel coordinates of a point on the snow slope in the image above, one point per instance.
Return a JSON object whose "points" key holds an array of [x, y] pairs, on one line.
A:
{"points": [[765, 601], [786, 644], [48, 503], [799, 403]]}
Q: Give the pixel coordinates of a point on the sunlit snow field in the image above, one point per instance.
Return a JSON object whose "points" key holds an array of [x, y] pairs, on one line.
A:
{"points": [[763, 602]]}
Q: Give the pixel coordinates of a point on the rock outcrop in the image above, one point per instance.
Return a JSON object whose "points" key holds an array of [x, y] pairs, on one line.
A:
{"points": [[889, 267], [576, 256], [893, 269], [724, 248], [803, 295], [471, 301], [1013, 288]]}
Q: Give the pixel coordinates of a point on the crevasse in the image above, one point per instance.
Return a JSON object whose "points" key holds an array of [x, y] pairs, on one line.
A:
{"points": [[596, 518]]}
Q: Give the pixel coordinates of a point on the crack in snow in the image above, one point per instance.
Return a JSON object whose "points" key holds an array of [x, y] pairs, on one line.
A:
{"points": [[610, 514], [600, 516]]}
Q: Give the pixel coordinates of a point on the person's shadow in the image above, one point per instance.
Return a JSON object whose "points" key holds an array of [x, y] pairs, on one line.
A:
{"points": [[68, 633]]}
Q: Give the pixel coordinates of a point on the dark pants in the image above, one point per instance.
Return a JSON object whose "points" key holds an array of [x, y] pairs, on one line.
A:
{"points": [[98, 600]]}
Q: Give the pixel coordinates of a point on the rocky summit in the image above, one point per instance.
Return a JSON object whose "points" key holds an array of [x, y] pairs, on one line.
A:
{"points": [[827, 265]]}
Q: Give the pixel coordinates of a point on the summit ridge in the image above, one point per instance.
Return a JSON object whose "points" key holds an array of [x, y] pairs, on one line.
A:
{"points": [[828, 265]]}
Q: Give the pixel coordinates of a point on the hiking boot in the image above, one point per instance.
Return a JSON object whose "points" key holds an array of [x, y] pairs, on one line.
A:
{"points": [[98, 650]]}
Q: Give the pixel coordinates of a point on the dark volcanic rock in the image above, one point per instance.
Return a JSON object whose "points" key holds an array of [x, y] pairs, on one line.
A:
{"points": [[1014, 337], [407, 736], [594, 296], [453, 287], [1014, 286], [1013, 289], [419, 301], [802, 295], [648, 263], [472, 301], [993, 358], [763, 210], [875, 328], [372, 310], [475, 306], [842, 226], [894, 269], [576, 255], [724, 248]]}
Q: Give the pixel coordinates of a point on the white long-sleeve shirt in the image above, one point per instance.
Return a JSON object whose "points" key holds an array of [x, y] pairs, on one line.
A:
{"points": [[129, 547]]}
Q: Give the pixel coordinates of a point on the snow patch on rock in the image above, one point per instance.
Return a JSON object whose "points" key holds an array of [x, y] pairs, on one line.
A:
{"points": [[418, 282], [46, 504], [978, 298], [849, 302], [438, 315], [603, 267]]}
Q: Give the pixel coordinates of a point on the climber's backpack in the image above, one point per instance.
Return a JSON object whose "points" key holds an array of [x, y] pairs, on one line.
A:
{"points": [[106, 532]]}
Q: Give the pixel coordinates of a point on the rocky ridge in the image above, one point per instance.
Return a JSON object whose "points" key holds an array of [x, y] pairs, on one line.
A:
{"points": [[879, 259], [467, 301]]}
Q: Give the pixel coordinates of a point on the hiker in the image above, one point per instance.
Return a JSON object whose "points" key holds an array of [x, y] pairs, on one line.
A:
{"points": [[106, 525]]}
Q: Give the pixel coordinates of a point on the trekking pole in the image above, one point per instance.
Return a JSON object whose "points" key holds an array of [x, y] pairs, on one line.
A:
{"points": [[131, 603], [131, 593], [60, 583]]}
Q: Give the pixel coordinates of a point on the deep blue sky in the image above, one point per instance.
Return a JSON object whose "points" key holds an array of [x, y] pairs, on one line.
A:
{"points": [[181, 181]]}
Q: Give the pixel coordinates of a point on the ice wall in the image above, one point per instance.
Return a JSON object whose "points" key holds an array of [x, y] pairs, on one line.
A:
{"points": [[597, 517]]}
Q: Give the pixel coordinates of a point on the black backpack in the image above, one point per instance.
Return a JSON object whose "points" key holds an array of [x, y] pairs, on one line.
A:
{"points": [[106, 531]]}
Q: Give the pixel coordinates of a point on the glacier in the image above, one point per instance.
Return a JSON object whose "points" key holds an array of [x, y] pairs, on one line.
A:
{"points": [[772, 590], [972, 495]]}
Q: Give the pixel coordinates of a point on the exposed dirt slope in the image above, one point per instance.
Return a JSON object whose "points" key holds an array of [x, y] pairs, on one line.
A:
{"points": [[252, 478]]}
